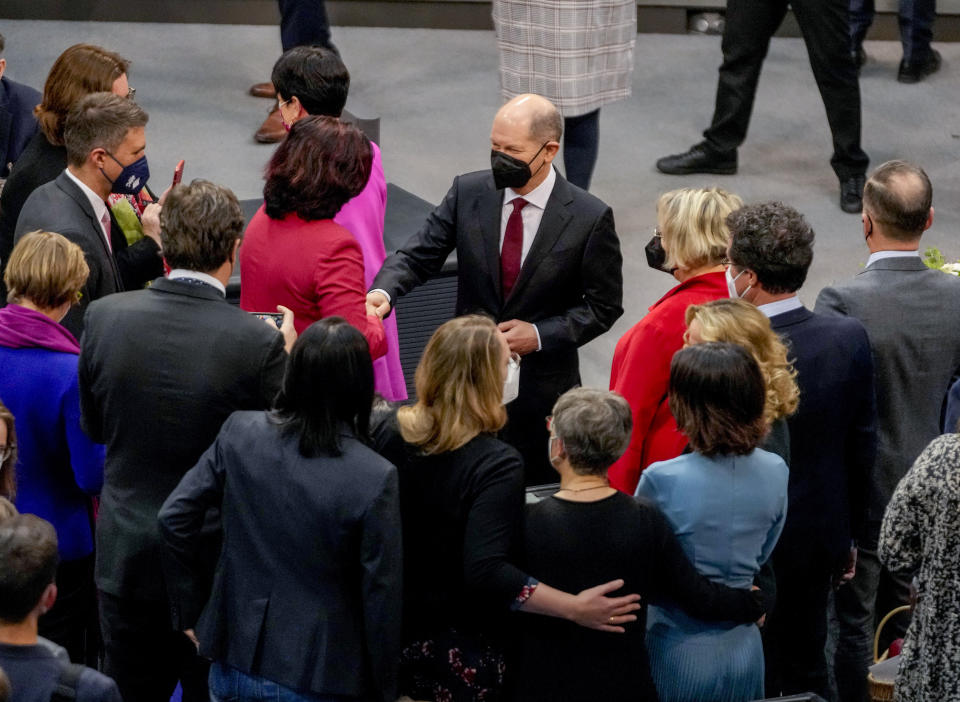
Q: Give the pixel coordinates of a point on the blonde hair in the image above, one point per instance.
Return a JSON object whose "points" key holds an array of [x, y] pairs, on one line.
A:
{"points": [[741, 323], [459, 387], [693, 224], [47, 269]]}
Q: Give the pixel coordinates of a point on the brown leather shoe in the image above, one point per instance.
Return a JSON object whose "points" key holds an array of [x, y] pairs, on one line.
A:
{"points": [[264, 90], [272, 129]]}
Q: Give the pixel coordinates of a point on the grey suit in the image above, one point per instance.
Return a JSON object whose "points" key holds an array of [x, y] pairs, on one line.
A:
{"points": [[906, 309]]}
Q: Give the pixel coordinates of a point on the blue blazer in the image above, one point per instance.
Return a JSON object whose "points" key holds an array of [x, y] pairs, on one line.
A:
{"points": [[833, 434], [17, 123]]}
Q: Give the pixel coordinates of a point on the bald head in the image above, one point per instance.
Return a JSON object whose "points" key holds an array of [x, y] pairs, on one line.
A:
{"points": [[536, 114], [898, 195]]}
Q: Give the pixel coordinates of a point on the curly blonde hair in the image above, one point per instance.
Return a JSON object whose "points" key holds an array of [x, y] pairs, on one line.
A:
{"points": [[741, 323]]}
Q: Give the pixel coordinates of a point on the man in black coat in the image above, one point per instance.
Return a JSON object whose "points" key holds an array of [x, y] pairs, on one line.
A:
{"points": [[832, 440], [17, 123], [537, 254], [104, 135], [160, 371]]}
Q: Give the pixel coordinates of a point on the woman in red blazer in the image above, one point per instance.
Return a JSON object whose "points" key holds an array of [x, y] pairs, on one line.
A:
{"points": [[293, 253], [691, 225]]}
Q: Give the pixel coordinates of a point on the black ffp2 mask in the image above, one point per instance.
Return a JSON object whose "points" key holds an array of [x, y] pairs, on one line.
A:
{"points": [[511, 172], [656, 256]]}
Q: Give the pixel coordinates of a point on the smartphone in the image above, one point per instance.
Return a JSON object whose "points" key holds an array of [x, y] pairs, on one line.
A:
{"points": [[178, 173], [275, 317]]}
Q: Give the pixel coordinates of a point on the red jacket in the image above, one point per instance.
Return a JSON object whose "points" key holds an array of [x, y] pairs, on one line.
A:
{"points": [[314, 268], [641, 373]]}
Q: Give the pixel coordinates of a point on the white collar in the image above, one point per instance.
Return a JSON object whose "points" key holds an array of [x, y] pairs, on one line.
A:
{"points": [[99, 206], [772, 309], [197, 275], [880, 255], [539, 195]]}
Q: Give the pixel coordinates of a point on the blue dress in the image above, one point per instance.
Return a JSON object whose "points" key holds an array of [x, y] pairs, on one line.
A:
{"points": [[728, 512]]}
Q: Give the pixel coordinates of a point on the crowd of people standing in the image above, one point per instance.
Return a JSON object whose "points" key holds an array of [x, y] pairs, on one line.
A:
{"points": [[225, 504]]}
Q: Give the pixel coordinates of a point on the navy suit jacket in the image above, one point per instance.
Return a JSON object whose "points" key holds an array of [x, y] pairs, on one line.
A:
{"points": [[832, 434], [17, 123]]}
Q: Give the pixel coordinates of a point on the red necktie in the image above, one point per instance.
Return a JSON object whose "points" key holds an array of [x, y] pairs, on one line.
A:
{"points": [[512, 251], [106, 229]]}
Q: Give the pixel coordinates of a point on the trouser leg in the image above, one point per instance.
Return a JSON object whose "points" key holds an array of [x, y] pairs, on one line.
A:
{"points": [[581, 142], [303, 22], [861, 17], [825, 27], [916, 28], [856, 617], [749, 26]]}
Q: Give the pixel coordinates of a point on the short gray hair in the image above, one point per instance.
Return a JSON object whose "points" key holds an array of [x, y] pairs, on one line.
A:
{"points": [[594, 426], [546, 125], [100, 121]]}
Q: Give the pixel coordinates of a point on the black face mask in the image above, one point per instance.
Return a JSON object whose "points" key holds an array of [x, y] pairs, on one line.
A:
{"points": [[510, 172], [656, 256]]}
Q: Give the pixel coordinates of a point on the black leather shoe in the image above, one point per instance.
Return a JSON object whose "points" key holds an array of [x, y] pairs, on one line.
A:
{"points": [[851, 194], [915, 72], [699, 159]]}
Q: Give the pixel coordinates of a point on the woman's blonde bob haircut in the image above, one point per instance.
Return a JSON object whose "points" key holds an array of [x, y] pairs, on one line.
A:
{"points": [[693, 226], [459, 387], [741, 323], [46, 269]]}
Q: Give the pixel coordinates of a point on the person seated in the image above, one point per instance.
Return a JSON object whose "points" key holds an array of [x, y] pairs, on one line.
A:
{"points": [[741, 323], [17, 123], [312, 80], [690, 243], [306, 597], [59, 467], [461, 502], [80, 70], [727, 503], [106, 146], [35, 667], [293, 253], [589, 530]]}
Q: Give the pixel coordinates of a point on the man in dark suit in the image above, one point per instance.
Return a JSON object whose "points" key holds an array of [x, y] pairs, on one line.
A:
{"points": [[832, 440], [160, 371], [750, 24], [539, 255], [104, 135], [17, 123], [916, 351]]}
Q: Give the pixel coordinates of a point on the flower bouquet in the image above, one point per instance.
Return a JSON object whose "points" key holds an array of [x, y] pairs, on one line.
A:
{"points": [[935, 259]]}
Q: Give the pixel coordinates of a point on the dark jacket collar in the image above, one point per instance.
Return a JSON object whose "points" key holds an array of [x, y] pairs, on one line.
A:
{"points": [[200, 291], [786, 319], [897, 263]]}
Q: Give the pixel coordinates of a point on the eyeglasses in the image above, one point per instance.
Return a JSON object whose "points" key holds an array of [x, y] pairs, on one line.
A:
{"points": [[657, 233], [132, 94], [549, 419], [281, 103], [6, 451]]}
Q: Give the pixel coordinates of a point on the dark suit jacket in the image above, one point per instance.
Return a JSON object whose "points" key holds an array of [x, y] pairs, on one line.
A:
{"points": [[907, 311], [17, 123], [160, 371], [307, 589], [832, 434], [570, 284], [60, 206]]}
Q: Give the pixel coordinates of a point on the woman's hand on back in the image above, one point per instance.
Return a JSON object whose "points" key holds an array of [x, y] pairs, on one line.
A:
{"points": [[594, 609]]}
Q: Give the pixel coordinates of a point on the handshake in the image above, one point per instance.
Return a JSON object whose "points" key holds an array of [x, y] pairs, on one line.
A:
{"points": [[377, 304]]}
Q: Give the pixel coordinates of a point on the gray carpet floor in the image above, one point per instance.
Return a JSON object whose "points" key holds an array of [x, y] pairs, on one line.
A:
{"points": [[437, 91]]}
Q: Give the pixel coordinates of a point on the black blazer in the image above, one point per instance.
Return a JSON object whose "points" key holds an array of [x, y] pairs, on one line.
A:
{"points": [[17, 123], [307, 589], [570, 284], [60, 206], [160, 371], [832, 435]]}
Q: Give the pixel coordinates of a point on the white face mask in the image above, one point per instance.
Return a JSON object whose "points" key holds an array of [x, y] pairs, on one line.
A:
{"points": [[511, 386], [732, 285], [550, 457]]}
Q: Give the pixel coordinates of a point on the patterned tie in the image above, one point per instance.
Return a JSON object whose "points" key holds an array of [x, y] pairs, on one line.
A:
{"points": [[512, 251], [105, 220]]}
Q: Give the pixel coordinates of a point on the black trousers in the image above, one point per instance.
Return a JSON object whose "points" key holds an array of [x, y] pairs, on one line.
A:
{"points": [[72, 622], [795, 635], [145, 656], [825, 25], [302, 23]]}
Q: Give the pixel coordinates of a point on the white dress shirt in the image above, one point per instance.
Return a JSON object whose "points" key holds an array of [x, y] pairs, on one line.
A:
{"points": [[772, 309], [99, 206], [532, 212], [197, 275], [880, 255]]}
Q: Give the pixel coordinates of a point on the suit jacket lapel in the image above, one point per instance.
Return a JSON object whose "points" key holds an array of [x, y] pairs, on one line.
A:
{"points": [[489, 207], [70, 188], [555, 218]]}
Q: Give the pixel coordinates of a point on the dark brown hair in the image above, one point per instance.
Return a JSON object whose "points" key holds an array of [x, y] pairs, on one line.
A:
{"points": [[899, 195], [28, 564], [100, 120], [717, 396], [8, 469], [80, 70], [199, 224], [321, 165]]}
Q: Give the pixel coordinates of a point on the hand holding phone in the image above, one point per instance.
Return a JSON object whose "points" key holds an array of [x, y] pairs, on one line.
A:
{"points": [[275, 318], [178, 173]]}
